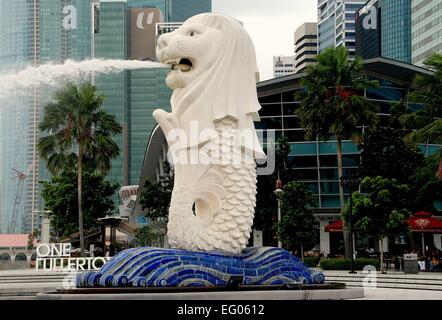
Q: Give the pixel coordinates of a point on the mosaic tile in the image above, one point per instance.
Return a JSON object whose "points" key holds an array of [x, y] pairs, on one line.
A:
{"points": [[159, 267]]}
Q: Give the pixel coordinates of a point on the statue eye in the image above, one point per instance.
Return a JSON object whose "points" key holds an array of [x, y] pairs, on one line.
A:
{"points": [[193, 33]]}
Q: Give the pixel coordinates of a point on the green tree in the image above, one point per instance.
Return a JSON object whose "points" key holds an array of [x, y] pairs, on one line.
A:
{"points": [[266, 202], [432, 131], [428, 120], [426, 187], [384, 153], [156, 195], [332, 103], [60, 196], [146, 237], [428, 92], [78, 132], [297, 220], [381, 210]]}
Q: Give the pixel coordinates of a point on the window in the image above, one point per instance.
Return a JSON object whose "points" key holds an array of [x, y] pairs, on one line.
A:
{"points": [[291, 122], [271, 123], [328, 161], [303, 161], [306, 174]]}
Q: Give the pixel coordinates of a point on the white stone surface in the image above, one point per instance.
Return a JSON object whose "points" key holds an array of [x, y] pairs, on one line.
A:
{"points": [[210, 133]]}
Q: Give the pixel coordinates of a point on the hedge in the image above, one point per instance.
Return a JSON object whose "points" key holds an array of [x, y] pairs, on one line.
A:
{"points": [[311, 262], [344, 264]]}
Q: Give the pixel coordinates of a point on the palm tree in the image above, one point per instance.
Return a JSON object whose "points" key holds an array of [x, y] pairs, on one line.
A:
{"points": [[425, 134], [332, 103], [78, 132], [428, 120]]}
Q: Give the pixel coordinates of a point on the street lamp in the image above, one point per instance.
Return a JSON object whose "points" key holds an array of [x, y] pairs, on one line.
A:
{"points": [[44, 225], [350, 214], [279, 192]]}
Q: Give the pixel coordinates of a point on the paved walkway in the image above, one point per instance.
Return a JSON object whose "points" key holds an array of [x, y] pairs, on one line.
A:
{"points": [[370, 294], [401, 294]]}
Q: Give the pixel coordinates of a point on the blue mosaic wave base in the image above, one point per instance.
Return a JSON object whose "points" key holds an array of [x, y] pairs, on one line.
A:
{"points": [[158, 267]]}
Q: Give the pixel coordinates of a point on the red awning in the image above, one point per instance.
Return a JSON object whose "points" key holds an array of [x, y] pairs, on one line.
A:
{"points": [[419, 222], [423, 222], [334, 227]]}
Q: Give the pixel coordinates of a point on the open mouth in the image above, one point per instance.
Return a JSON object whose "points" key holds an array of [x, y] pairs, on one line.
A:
{"points": [[184, 64]]}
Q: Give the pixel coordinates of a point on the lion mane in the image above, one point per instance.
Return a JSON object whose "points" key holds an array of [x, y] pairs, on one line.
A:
{"points": [[228, 88]]}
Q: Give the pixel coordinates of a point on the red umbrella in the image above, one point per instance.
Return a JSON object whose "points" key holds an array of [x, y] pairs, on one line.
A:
{"points": [[419, 222], [334, 227], [424, 222]]}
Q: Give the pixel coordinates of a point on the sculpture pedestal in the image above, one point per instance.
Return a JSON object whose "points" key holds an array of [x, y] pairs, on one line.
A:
{"points": [[158, 267]]}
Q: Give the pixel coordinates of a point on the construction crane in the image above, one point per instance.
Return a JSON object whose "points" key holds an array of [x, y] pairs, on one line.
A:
{"points": [[21, 177]]}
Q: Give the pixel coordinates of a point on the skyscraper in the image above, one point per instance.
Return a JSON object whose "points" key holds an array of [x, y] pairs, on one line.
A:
{"points": [[426, 17], [368, 31], [32, 32], [306, 45], [383, 29], [336, 23], [18, 49]]}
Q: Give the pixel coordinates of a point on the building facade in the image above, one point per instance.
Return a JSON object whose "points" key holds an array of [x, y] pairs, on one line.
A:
{"points": [[368, 30], [426, 26], [383, 29], [336, 24], [18, 49], [306, 45], [33, 32], [315, 162], [283, 65]]}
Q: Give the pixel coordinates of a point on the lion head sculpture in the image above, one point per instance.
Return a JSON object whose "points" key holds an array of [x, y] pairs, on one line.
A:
{"points": [[213, 68]]}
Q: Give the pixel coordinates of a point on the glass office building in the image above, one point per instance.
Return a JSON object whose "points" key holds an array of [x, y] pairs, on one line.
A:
{"points": [[336, 23], [175, 10], [32, 32], [396, 29], [315, 162], [368, 40], [17, 51], [426, 29], [65, 30], [389, 35]]}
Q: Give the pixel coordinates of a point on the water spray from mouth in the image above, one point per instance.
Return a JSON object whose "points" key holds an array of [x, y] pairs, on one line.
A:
{"points": [[57, 74]]}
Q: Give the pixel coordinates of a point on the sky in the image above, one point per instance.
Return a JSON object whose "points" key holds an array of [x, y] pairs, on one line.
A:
{"points": [[271, 24]]}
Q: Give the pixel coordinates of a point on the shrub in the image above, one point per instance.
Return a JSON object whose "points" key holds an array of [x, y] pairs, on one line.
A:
{"points": [[344, 264], [311, 262]]}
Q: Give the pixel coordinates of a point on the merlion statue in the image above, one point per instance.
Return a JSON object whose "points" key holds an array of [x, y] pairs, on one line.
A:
{"points": [[214, 146], [211, 133]]}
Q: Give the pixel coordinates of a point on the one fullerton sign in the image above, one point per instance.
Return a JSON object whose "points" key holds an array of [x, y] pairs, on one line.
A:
{"points": [[57, 257]]}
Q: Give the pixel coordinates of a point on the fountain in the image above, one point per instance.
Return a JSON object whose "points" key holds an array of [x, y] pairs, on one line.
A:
{"points": [[211, 136], [55, 74]]}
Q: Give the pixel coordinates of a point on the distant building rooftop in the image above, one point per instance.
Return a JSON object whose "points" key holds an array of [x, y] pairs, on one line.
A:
{"points": [[13, 240]]}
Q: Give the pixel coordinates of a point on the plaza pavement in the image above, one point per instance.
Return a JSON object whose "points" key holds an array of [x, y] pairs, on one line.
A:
{"points": [[400, 294], [25, 284]]}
